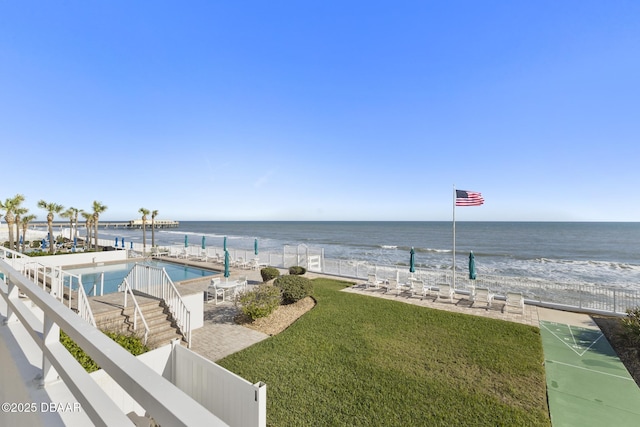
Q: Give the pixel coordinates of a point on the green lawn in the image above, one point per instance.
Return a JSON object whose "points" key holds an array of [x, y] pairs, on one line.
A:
{"points": [[360, 360]]}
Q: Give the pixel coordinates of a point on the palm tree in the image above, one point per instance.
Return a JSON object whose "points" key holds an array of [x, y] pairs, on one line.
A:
{"points": [[98, 208], [75, 221], [154, 214], [69, 213], [51, 208], [25, 225], [19, 212], [9, 206], [88, 218], [144, 213]]}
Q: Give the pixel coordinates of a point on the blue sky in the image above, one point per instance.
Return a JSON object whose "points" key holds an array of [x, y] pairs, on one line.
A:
{"points": [[332, 110]]}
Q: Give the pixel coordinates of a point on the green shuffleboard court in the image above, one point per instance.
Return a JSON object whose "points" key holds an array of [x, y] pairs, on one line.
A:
{"points": [[587, 384]]}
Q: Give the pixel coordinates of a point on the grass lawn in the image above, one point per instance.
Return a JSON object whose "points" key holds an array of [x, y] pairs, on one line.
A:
{"points": [[360, 360]]}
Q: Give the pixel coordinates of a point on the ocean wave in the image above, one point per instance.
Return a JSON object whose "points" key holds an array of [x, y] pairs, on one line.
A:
{"points": [[613, 265]]}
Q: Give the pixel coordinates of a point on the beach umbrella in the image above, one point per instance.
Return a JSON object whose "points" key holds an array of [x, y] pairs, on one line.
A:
{"points": [[132, 244], [224, 244], [472, 266], [255, 246], [203, 245], [186, 240], [123, 243], [21, 240], [412, 261], [226, 263], [116, 245]]}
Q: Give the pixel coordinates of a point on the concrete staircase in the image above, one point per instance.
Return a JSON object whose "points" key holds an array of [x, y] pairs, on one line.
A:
{"points": [[162, 327]]}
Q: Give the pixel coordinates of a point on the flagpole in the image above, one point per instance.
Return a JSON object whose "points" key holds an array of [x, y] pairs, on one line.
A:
{"points": [[453, 285]]}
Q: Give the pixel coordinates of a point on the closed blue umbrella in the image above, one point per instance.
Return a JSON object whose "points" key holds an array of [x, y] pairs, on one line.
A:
{"points": [[472, 266], [203, 245], [116, 245], [123, 242], [186, 240], [255, 246], [412, 261], [226, 263], [132, 244], [224, 244]]}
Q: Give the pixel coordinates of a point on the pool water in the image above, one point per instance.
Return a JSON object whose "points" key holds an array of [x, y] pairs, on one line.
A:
{"points": [[114, 274]]}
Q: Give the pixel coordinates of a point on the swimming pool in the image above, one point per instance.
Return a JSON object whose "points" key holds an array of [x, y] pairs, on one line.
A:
{"points": [[114, 274]]}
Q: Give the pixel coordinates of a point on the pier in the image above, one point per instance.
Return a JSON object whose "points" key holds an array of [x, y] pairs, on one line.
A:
{"points": [[135, 223]]}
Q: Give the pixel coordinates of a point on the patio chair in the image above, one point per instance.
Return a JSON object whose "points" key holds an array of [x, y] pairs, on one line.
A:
{"points": [[242, 283], [483, 298], [515, 301], [213, 290], [445, 292]]}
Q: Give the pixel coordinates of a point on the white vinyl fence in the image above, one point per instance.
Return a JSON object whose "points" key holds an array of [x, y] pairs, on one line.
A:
{"points": [[571, 296]]}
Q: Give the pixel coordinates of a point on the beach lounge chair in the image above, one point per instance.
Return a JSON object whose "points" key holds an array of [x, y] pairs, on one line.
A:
{"points": [[372, 282], [184, 253], [515, 302], [445, 292], [392, 284], [482, 298], [253, 264], [417, 287], [404, 287]]}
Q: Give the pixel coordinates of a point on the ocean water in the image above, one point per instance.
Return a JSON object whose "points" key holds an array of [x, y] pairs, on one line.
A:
{"points": [[600, 253]]}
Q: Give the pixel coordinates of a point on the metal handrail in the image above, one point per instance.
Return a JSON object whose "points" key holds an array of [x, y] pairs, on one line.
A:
{"points": [[136, 310], [155, 282]]}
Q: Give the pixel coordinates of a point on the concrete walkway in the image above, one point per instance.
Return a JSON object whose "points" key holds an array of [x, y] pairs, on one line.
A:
{"points": [[220, 336]]}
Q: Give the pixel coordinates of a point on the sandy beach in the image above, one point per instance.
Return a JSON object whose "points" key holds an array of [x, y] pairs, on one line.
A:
{"points": [[31, 234]]}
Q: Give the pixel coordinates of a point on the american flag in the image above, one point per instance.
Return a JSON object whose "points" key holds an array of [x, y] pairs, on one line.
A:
{"points": [[468, 198]]}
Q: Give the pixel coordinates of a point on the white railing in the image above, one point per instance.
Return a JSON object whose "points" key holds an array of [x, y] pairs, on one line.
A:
{"points": [[159, 398], [570, 296], [58, 280], [136, 310], [155, 281], [13, 258]]}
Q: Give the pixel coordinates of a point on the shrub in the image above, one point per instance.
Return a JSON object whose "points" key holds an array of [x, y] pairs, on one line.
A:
{"points": [[294, 288], [297, 270], [631, 325], [269, 273], [130, 343], [260, 301]]}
